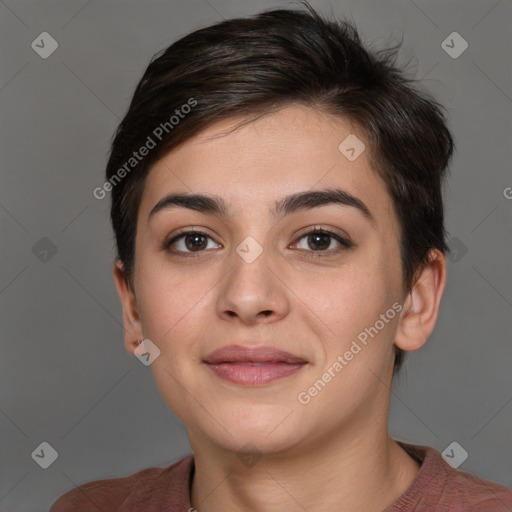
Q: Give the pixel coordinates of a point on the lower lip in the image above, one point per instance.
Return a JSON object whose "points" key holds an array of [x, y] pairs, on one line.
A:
{"points": [[250, 375]]}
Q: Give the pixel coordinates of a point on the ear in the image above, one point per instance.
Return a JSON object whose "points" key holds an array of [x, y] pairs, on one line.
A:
{"points": [[421, 307], [132, 326]]}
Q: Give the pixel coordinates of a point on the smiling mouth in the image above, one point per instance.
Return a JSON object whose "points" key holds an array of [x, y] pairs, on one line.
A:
{"points": [[250, 365]]}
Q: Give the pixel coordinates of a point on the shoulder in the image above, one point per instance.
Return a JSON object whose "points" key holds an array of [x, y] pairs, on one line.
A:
{"points": [[113, 492], [440, 487], [479, 494]]}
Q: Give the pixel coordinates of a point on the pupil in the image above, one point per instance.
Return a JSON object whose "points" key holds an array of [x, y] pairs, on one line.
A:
{"points": [[195, 244], [320, 236]]}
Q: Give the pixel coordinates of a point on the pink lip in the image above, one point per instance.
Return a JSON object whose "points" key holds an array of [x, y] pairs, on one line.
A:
{"points": [[253, 366]]}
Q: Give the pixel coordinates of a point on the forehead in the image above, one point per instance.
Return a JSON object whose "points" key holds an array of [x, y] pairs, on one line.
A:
{"points": [[292, 150]]}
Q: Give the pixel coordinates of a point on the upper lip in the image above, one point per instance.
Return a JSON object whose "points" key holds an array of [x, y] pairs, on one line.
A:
{"points": [[245, 354]]}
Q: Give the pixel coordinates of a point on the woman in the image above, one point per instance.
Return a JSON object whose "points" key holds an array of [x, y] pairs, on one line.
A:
{"points": [[277, 208]]}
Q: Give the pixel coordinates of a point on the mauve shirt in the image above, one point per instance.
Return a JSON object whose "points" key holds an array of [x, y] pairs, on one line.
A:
{"points": [[436, 488]]}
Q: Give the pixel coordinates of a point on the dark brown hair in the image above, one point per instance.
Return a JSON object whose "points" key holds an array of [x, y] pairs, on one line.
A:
{"points": [[256, 65]]}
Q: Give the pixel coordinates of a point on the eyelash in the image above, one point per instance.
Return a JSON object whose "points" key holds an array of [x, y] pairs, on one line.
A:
{"points": [[345, 244]]}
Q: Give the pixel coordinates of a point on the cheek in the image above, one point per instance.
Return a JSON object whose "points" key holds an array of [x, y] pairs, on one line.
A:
{"points": [[346, 307], [175, 307], [345, 298], [165, 299]]}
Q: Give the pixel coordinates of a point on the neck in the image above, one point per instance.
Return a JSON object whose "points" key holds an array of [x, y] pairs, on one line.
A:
{"points": [[362, 472]]}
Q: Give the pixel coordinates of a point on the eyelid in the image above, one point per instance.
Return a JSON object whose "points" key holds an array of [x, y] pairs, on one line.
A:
{"points": [[183, 232], [328, 230], [343, 240]]}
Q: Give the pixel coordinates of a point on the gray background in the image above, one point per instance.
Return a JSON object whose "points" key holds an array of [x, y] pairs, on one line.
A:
{"points": [[65, 376]]}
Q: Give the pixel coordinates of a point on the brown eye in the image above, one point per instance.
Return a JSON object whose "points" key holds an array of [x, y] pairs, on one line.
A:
{"points": [[195, 241], [188, 241], [320, 241]]}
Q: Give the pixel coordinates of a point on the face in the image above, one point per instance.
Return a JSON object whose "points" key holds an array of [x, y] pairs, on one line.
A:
{"points": [[257, 276]]}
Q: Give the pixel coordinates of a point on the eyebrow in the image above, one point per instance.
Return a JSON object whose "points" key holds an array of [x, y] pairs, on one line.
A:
{"points": [[300, 201]]}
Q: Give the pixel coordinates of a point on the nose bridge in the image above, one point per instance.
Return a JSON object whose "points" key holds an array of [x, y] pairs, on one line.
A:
{"points": [[250, 288], [250, 261]]}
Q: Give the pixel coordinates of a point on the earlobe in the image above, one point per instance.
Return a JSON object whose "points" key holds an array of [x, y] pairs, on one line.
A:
{"points": [[421, 306], [131, 321]]}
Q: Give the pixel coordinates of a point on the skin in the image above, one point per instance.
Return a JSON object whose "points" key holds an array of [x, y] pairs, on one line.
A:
{"points": [[311, 307]]}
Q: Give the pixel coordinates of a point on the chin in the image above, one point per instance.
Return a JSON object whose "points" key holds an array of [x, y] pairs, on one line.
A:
{"points": [[265, 429], [256, 442]]}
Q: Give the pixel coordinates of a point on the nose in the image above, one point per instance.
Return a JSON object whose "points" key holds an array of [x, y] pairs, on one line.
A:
{"points": [[252, 293]]}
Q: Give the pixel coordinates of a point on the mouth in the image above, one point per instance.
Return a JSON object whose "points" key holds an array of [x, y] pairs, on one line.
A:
{"points": [[253, 366]]}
